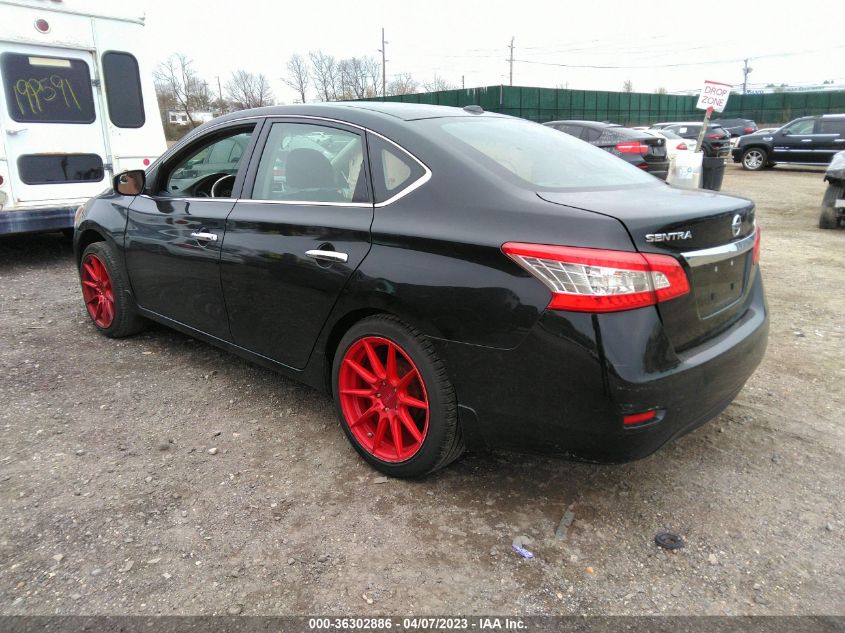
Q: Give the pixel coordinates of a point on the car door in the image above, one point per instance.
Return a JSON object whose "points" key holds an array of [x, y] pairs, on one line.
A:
{"points": [[175, 231], [51, 125], [830, 138], [299, 231], [795, 142]]}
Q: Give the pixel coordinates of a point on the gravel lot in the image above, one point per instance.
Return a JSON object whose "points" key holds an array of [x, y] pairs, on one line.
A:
{"points": [[111, 500]]}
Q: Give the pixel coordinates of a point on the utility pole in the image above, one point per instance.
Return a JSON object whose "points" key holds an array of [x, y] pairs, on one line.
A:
{"points": [[220, 95], [511, 61], [745, 72], [463, 84], [383, 62]]}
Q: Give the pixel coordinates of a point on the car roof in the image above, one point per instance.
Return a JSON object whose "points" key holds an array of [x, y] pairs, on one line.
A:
{"points": [[357, 111]]}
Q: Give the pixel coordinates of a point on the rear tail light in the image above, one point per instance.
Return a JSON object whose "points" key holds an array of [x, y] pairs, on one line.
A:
{"points": [[593, 280], [639, 418], [714, 136], [749, 130], [634, 147], [755, 257], [682, 146]]}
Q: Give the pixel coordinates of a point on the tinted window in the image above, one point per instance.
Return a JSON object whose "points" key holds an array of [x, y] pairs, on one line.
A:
{"points": [[222, 156], [393, 169], [304, 162], [534, 156], [52, 169], [590, 134], [804, 126], [47, 89], [832, 126], [123, 89]]}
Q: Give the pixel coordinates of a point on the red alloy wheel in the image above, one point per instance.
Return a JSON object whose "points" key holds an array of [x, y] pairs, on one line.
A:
{"points": [[97, 291], [383, 399]]}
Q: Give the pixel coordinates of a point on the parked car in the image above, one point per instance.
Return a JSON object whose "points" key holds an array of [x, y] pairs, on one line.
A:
{"points": [[717, 140], [642, 150], [833, 203], [674, 144], [736, 127], [810, 140], [451, 277]]}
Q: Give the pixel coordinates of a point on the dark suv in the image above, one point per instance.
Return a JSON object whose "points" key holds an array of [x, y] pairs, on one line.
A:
{"points": [[717, 141], [737, 127], [810, 140]]}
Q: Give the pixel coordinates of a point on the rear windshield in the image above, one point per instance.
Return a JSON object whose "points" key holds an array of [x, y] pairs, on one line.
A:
{"points": [[536, 156], [47, 89]]}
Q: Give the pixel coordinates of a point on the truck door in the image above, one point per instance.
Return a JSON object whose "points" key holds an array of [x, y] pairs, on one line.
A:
{"points": [[50, 124]]}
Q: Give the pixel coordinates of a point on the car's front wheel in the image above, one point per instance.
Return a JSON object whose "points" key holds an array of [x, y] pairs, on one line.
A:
{"points": [[105, 292], [394, 399], [754, 159]]}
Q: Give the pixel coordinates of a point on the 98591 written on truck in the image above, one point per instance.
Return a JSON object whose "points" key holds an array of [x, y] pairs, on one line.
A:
{"points": [[77, 105]]}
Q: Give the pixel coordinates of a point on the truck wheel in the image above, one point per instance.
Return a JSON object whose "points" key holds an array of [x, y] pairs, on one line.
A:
{"points": [[754, 159], [829, 218], [106, 292]]}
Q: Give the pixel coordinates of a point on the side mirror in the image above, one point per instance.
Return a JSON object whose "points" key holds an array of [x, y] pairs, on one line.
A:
{"points": [[130, 183]]}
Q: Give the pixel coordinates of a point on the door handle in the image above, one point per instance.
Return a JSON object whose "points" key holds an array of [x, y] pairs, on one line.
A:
{"points": [[806, 140], [202, 235], [328, 256], [13, 131]]}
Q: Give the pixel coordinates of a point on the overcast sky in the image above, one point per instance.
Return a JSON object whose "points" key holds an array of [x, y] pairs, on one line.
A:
{"points": [[801, 43]]}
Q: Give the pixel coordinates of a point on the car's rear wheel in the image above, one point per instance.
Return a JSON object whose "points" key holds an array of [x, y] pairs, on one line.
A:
{"points": [[754, 159], [105, 292], [394, 399]]}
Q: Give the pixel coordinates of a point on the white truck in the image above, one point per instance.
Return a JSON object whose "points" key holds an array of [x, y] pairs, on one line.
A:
{"points": [[77, 106]]}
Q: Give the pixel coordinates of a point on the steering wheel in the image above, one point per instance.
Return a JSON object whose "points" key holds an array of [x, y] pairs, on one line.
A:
{"points": [[216, 187]]}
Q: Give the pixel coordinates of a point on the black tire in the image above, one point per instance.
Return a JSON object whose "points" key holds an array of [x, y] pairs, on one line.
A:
{"points": [[443, 442], [829, 218], [755, 159], [126, 319]]}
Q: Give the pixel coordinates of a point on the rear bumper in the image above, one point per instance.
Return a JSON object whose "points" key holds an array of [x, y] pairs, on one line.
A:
{"points": [[565, 389], [36, 220]]}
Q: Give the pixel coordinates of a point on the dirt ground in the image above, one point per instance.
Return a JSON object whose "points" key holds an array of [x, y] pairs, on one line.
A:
{"points": [[111, 503]]}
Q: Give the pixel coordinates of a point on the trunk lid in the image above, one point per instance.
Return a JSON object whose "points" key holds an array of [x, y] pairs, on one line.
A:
{"points": [[711, 234]]}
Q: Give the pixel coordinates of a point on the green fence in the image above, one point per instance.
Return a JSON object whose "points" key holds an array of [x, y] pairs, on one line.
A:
{"points": [[627, 108]]}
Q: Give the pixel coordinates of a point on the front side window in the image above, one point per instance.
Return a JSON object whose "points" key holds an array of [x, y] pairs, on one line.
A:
{"points": [[533, 156], [194, 174], [123, 89], [798, 128], [47, 89], [304, 162]]}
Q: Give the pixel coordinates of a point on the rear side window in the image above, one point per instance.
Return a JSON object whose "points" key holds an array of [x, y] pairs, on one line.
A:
{"points": [[47, 89], [832, 127], [798, 128], [123, 89], [54, 169], [394, 170]]}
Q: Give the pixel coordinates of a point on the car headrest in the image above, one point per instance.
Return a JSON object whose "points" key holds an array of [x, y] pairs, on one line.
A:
{"points": [[308, 169]]}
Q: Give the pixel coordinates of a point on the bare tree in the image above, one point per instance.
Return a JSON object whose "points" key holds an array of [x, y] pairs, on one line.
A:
{"points": [[246, 90], [436, 84], [628, 86], [298, 76], [402, 84], [325, 75], [179, 86], [661, 90], [359, 77]]}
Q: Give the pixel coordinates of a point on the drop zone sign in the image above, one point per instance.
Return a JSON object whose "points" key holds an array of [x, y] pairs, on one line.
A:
{"points": [[714, 96]]}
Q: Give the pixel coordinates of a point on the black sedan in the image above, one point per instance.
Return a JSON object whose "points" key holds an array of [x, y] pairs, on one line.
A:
{"points": [[642, 150], [717, 140], [453, 278]]}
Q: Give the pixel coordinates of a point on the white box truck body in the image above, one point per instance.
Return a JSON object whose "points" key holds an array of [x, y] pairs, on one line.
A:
{"points": [[77, 106]]}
